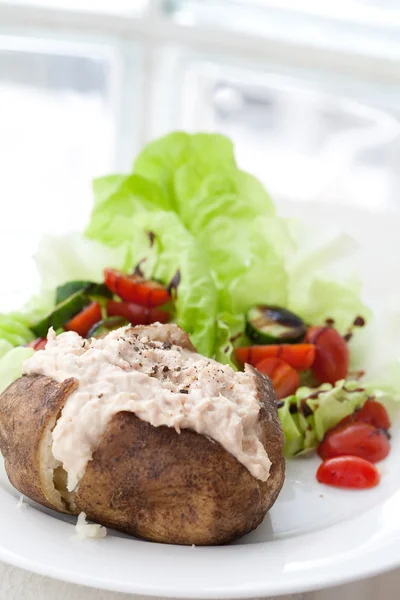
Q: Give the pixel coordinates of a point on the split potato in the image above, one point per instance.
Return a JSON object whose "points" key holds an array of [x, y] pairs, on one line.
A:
{"points": [[150, 482]]}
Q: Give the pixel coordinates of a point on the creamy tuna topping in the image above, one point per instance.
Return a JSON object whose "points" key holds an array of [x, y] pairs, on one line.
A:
{"points": [[163, 384]]}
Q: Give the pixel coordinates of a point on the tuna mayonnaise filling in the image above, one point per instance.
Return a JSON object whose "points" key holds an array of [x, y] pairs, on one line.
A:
{"points": [[161, 383]]}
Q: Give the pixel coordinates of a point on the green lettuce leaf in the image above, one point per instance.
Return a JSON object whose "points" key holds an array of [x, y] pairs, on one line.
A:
{"points": [[178, 251], [14, 330], [117, 200], [320, 283], [160, 160], [5, 347], [11, 365]]}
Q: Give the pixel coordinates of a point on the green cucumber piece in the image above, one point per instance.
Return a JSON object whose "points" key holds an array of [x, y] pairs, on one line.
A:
{"points": [[62, 313], [274, 325], [87, 287]]}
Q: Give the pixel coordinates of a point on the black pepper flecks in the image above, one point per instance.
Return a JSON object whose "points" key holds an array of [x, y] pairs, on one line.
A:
{"points": [[165, 369], [183, 391]]}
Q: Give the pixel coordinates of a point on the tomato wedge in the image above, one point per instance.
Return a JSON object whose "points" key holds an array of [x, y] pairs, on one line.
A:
{"points": [[356, 439], [298, 356], [84, 320], [134, 288], [331, 354], [135, 314], [38, 344], [348, 472], [284, 378]]}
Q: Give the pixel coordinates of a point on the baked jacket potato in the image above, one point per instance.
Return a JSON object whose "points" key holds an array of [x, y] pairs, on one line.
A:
{"points": [[151, 482]]}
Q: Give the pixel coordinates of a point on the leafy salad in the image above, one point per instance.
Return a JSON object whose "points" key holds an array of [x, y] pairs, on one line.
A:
{"points": [[189, 237]]}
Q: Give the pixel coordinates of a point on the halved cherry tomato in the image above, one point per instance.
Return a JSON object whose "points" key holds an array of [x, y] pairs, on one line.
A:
{"points": [[348, 472], [134, 288], [135, 314], [331, 354], [374, 413], [284, 378], [356, 439], [38, 344], [84, 320], [298, 356]]}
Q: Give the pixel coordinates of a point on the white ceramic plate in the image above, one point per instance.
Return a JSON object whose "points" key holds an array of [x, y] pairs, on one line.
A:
{"points": [[314, 536]]}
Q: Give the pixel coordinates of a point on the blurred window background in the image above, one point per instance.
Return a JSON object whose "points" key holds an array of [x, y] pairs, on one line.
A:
{"points": [[308, 90]]}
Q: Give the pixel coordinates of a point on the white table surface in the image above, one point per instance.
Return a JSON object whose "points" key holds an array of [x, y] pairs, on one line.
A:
{"points": [[16, 584]]}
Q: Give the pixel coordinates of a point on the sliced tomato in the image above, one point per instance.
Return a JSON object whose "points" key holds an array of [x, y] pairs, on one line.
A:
{"points": [[298, 356], [135, 314], [38, 344], [348, 472], [134, 288], [84, 320], [356, 439], [284, 378], [331, 354]]}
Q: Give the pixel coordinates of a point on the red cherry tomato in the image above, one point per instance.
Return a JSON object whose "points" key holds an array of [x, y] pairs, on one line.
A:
{"points": [[374, 413], [356, 439], [284, 378], [38, 344], [298, 356], [84, 320], [135, 314], [348, 472], [331, 354], [134, 288]]}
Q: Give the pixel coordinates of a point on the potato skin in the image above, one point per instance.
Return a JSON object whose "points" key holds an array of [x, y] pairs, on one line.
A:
{"points": [[146, 481], [28, 407], [179, 488]]}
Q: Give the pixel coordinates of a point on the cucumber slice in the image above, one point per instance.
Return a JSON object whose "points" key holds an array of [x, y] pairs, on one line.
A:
{"points": [[106, 325], [62, 312], [274, 325], [87, 287]]}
